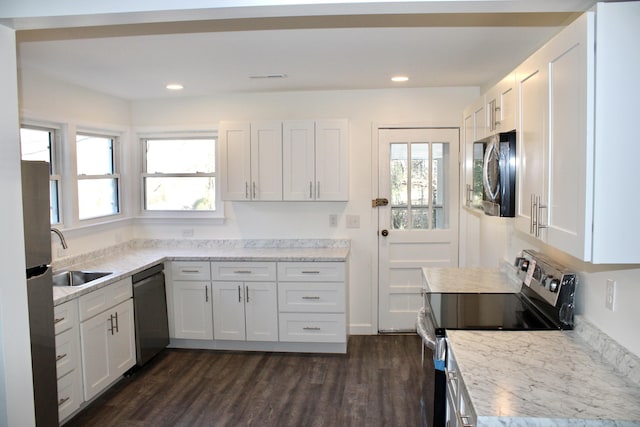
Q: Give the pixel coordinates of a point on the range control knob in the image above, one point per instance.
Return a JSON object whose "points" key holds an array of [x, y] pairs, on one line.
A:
{"points": [[554, 285]]}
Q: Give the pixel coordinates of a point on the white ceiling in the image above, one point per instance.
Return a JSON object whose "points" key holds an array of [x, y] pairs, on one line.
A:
{"points": [[316, 53]]}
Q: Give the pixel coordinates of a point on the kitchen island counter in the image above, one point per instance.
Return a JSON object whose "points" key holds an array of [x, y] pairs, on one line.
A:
{"points": [[542, 378], [471, 280]]}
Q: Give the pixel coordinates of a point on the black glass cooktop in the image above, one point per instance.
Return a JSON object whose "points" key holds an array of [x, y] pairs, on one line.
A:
{"points": [[486, 311]]}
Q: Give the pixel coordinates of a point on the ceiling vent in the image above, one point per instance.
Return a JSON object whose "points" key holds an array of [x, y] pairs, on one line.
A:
{"points": [[269, 76]]}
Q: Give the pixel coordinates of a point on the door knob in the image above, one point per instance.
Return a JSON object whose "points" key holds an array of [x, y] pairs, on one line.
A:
{"points": [[384, 233]]}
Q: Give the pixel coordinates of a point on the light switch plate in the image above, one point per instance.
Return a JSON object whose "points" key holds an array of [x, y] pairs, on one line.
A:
{"points": [[353, 221], [610, 295]]}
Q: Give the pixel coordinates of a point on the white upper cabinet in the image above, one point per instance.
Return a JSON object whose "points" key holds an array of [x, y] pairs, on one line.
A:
{"points": [[473, 129], [576, 142], [316, 160], [501, 106], [251, 160]]}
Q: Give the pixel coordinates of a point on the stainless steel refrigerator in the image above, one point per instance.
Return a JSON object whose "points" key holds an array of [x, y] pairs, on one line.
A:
{"points": [[37, 234]]}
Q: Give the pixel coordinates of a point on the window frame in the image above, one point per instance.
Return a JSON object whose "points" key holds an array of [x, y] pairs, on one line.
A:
{"points": [[143, 138], [55, 142], [115, 160]]}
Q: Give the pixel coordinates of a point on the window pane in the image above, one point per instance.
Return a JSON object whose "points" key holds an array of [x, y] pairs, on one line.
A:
{"points": [[180, 193], [181, 155], [440, 171], [399, 180], [95, 155], [419, 174], [35, 144], [54, 202], [98, 197]]}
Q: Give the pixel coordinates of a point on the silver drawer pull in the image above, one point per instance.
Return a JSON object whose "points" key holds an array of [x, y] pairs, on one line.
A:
{"points": [[62, 401], [58, 320], [61, 356], [310, 297], [452, 375], [310, 272], [310, 328], [190, 271], [465, 421], [242, 272]]}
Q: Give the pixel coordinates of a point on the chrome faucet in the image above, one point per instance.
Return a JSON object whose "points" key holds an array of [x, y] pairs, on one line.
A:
{"points": [[61, 236]]}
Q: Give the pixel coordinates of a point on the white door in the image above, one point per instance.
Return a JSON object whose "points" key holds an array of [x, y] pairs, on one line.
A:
{"points": [[192, 310], [266, 161], [228, 311], [418, 174], [261, 311], [122, 344]]}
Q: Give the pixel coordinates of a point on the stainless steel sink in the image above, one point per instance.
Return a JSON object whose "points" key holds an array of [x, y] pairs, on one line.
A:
{"points": [[77, 277]]}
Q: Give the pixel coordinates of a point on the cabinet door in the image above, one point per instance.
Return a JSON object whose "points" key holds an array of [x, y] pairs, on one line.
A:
{"points": [[472, 167], [532, 139], [192, 310], [332, 160], [122, 346], [568, 216], [94, 338], [298, 160], [266, 161], [235, 160], [501, 106], [228, 311], [261, 311]]}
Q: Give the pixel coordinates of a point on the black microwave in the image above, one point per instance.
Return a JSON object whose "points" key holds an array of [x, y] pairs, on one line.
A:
{"points": [[499, 174]]}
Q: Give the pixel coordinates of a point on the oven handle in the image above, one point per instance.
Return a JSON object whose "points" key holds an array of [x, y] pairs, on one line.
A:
{"points": [[425, 329]]}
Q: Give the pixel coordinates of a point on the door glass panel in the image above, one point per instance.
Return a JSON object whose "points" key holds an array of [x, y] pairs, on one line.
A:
{"points": [[399, 180], [419, 187]]}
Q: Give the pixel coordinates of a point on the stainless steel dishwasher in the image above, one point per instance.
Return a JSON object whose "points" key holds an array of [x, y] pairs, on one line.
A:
{"points": [[150, 311]]}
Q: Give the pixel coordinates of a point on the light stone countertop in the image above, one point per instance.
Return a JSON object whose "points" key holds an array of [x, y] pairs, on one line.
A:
{"points": [[131, 259], [471, 280], [542, 378]]}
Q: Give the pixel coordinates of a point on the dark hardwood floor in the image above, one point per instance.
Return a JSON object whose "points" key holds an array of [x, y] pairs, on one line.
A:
{"points": [[377, 383]]}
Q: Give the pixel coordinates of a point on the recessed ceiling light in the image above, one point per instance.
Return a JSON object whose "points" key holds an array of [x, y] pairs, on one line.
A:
{"points": [[174, 86], [399, 78]]}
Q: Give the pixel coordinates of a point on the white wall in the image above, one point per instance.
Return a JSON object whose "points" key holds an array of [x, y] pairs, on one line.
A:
{"points": [[16, 389]]}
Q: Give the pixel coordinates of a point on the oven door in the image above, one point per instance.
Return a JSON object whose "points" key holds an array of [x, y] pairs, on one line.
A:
{"points": [[433, 394]]}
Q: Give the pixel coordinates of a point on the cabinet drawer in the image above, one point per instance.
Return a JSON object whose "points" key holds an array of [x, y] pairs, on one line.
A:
{"points": [[66, 351], [190, 270], [317, 327], [244, 271], [65, 316], [69, 394], [311, 271], [311, 297], [104, 298]]}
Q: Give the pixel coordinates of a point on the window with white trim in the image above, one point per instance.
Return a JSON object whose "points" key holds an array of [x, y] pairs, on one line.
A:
{"points": [[179, 174], [98, 180], [38, 143]]}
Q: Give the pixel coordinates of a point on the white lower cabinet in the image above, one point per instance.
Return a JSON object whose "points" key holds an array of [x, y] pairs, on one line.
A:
{"points": [[107, 337], [190, 302], [311, 300], [68, 368], [245, 311], [245, 304]]}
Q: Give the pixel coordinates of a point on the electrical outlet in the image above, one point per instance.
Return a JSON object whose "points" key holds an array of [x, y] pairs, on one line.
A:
{"points": [[611, 295], [333, 220]]}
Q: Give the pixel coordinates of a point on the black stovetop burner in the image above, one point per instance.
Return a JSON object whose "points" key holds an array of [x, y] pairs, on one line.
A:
{"points": [[510, 312]]}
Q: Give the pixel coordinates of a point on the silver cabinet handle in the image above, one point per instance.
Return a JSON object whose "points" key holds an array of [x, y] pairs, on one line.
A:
{"points": [[242, 272], [62, 401], [317, 189], [246, 190], [310, 272], [310, 328], [310, 190], [239, 294], [112, 328], [254, 189], [532, 214], [464, 420], [61, 356], [117, 323], [206, 293], [58, 320], [315, 298], [246, 291], [539, 206], [190, 271]]}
